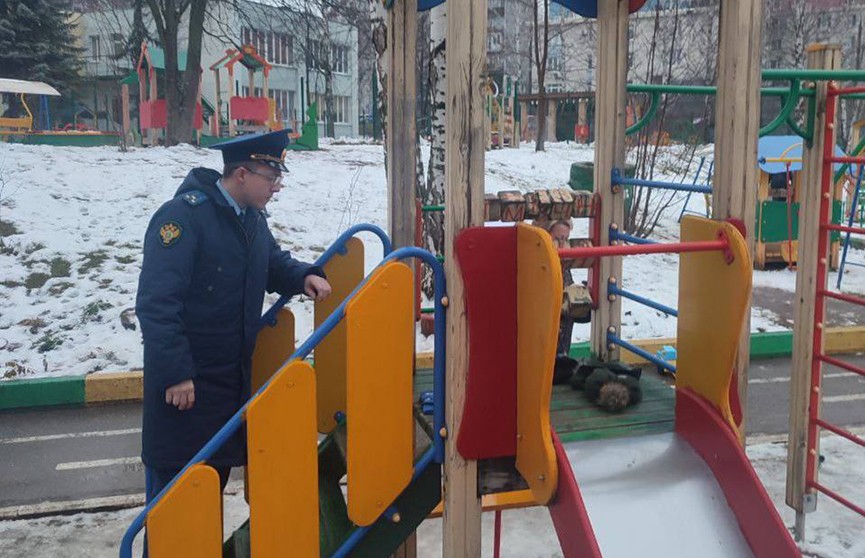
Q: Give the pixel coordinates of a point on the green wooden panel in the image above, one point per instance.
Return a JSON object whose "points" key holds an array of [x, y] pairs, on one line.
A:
{"points": [[772, 220]]}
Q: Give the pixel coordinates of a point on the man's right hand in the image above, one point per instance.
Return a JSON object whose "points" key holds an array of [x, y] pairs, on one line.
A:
{"points": [[181, 395]]}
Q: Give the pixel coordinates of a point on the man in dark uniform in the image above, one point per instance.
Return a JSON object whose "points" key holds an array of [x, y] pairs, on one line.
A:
{"points": [[209, 257]]}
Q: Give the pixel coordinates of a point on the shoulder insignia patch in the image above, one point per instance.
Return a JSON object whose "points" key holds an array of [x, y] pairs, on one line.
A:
{"points": [[169, 233], [195, 197]]}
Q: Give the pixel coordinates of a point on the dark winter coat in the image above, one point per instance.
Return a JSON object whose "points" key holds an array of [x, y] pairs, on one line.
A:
{"points": [[199, 303]]}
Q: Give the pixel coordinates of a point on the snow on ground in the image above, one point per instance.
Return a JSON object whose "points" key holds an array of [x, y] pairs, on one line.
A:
{"points": [[832, 531], [72, 222]]}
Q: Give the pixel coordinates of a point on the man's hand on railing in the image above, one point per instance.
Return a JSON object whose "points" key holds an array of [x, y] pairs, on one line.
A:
{"points": [[316, 287]]}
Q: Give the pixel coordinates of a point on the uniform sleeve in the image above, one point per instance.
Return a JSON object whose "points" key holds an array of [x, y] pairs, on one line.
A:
{"points": [[285, 274], [166, 274]]}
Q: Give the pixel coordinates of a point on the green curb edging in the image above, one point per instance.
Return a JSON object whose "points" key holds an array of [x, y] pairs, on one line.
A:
{"points": [[42, 392], [71, 390]]}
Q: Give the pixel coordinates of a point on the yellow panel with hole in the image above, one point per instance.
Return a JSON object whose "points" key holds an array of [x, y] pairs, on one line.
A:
{"points": [[381, 332], [273, 346], [539, 303], [713, 306], [282, 442], [187, 521], [344, 272]]}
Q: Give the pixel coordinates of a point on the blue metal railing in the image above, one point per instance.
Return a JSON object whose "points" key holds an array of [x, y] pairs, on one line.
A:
{"points": [[436, 453], [613, 288], [696, 177], [661, 363], [615, 234], [854, 207], [619, 179]]}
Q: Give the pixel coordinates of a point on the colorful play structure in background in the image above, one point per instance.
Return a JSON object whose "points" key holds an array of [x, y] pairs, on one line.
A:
{"points": [[489, 432]]}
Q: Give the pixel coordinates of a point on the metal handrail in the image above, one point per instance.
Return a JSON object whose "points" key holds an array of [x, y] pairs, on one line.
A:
{"points": [[235, 422]]}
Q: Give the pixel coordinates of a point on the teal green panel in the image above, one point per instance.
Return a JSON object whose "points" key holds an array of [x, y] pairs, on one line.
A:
{"points": [[772, 221], [42, 392]]}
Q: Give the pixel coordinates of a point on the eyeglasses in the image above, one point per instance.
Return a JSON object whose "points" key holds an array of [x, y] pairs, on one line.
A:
{"points": [[275, 179]]}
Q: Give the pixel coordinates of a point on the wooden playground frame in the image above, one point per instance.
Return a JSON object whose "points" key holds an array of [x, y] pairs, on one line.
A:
{"points": [[735, 183]]}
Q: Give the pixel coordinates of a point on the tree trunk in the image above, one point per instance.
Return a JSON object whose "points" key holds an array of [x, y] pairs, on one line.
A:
{"points": [[541, 119], [329, 129], [434, 193], [378, 22]]}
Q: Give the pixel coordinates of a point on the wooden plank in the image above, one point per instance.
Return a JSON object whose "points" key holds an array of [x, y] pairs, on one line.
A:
{"points": [[736, 132], [401, 143], [464, 174], [819, 57], [609, 153], [401, 137]]}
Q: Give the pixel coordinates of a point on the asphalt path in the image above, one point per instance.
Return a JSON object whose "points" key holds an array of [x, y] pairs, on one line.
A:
{"points": [[69, 459]]}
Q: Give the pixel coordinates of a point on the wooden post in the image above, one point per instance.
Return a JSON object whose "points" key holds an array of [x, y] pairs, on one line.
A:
{"points": [[582, 115], [231, 123], [124, 100], [552, 111], [214, 124], [152, 134], [609, 153], [821, 57], [736, 132], [401, 144], [464, 173]]}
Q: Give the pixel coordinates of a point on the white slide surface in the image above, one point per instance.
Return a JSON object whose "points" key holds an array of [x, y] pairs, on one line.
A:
{"points": [[654, 497]]}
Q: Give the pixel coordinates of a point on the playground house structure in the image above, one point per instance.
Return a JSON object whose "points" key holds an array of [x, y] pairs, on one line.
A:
{"points": [[251, 113], [484, 430], [152, 106], [502, 120]]}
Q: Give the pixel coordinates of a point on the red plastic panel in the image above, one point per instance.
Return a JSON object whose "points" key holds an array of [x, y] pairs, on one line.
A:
{"points": [[714, 440], [568, 511], [198, 119], [152, 114], [488, 262], [250, 108]]}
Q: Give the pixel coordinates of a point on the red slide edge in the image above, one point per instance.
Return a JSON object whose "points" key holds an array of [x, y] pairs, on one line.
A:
{"points": [[568, 511], [702, 426]]}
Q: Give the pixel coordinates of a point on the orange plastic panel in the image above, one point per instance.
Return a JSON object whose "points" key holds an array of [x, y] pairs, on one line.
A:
{"points": [[713, 306], [380, 365], [273, 347], [539, 302], [344, 272], [283, 465], [187, 521]]}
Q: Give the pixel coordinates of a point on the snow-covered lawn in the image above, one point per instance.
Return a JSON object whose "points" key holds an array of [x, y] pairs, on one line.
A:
{"points": [[72, 222]]}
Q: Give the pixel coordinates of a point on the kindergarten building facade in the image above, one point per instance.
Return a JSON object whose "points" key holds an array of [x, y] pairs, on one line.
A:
{"points": [[292, 43]]}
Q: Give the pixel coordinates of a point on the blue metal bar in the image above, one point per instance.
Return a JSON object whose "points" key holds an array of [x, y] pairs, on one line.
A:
{"points": [[614, 289], [853, 208], [688, 197], [619, 179], [638, 351], [357, 535], [616, 235], [235, 422], [338, 247]]}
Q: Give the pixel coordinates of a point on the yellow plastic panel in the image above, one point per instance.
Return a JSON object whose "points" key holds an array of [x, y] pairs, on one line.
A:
{"points": [[539, 302], [380, 422], [282, 440], [344, 272], [713, 300], [187, 521], [273, 346]]}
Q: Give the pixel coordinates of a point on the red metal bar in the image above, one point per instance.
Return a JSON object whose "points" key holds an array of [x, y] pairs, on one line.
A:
{"points": [[639, 249], [841, 364], [844, 228], [820, 302], [843, 297], [847, 90], [838, 498], [841, 432], [497, 537], [850, 160]]}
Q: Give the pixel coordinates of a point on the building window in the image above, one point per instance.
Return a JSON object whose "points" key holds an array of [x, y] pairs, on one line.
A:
{"points": [[590, 61], [94, 47], [119, 45], [341, 105], [340, 59], [276, 48]]}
